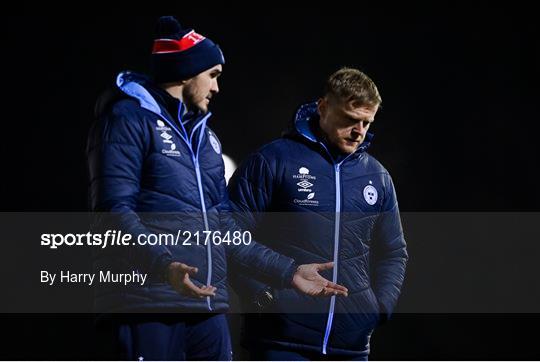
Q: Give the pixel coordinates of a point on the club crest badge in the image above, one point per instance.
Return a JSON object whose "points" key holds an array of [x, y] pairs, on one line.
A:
{"points": [[370, 194], [215, 143]]}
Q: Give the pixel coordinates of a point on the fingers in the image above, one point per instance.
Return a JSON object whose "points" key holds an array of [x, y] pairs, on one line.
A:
{"points": [[331, 285], [337, 287], [330, 291], [329, 288], [191, 270], [209, 289], [180, 281], [192, 289], [325, 266], [204, 289], [325, 292], [196, 292]]}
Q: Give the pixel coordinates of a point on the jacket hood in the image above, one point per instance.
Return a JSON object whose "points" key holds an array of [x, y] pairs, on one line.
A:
{"points": [[302, 126], [128, 85]]}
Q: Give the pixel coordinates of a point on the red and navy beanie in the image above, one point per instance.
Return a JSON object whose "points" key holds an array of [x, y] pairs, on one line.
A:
{"points": [[179, 54]]}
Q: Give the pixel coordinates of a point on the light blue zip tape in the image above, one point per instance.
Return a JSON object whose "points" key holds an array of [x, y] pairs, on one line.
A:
{"points": [[336, 251], [148, 102]]}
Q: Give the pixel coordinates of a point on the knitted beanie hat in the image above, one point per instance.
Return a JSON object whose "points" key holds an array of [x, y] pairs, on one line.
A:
{"points": [[179, 54]]}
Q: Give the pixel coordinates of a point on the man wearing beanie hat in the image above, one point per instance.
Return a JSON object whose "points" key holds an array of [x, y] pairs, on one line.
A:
{"points": [[156, 166]]}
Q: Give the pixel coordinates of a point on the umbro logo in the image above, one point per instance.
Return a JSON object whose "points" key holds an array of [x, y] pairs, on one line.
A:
{"points": [[304, 184], [306, 181]]}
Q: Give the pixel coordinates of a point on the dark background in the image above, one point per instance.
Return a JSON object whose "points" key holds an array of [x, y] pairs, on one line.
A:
{"points": [[458, 132]]}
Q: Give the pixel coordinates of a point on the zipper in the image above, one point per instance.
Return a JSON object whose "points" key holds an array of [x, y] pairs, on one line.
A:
{"points": [[195, 159], [205, 218], [336, 253]]}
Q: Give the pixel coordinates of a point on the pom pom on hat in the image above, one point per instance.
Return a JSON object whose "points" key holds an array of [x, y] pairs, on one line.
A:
{"points": [[169, 28]]}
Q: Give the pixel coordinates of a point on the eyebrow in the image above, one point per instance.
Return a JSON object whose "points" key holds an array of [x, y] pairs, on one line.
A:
{"points": [[371, 120]]}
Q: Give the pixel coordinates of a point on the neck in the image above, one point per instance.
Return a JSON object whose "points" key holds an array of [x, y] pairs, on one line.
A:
{"points": [[319, 133], [174, 89], [337, 154]]}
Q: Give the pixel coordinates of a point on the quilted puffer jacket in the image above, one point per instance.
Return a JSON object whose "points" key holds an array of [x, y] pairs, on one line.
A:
{"points": [[158, 178], [307, 204]]}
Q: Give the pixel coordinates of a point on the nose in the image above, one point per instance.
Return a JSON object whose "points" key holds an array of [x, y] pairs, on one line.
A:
{"points": [[215, 87], [360, 128]]}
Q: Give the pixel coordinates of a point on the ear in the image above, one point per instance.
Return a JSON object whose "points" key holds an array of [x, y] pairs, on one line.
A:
{"points": [[322, 106]]}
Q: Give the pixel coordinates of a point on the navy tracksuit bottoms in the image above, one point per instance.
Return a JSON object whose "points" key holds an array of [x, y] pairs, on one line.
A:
{"points": [[192, 337]]}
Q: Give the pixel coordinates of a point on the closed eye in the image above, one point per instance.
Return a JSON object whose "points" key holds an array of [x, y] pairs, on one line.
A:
{"points": [[365, 123]]}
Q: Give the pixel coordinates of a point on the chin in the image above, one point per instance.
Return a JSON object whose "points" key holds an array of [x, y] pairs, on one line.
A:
{"points": [[203, 108], [347, 150]]}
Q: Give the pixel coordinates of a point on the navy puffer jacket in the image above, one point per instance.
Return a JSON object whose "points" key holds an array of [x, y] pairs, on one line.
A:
{"points": [[319, 209], [156, 178]]}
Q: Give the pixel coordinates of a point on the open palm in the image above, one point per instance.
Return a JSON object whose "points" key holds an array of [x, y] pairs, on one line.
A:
{"points": [[308, 280]]}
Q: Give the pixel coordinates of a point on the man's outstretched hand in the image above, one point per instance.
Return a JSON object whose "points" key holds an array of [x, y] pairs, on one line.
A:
{"points": [[179, 273], [308, 280]]}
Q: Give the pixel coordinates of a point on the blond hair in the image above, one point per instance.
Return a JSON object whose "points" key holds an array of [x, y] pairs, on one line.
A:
{"points": [[349, 84]]}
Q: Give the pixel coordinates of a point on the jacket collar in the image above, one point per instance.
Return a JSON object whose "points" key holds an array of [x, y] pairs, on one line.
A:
{"points": [[139, 87], [303, 121]]}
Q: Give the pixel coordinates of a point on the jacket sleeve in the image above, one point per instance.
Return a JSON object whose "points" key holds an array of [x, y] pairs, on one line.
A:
{"points": [[389, 256], [117, 145], [248, 199]]}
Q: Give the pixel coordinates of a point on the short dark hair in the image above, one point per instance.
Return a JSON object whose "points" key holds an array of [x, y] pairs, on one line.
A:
{"points": [[349, 84]]}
